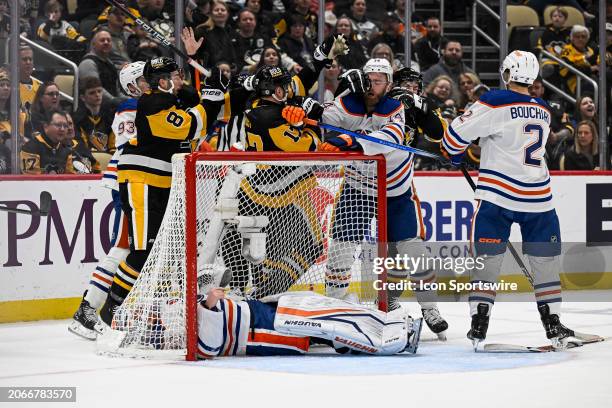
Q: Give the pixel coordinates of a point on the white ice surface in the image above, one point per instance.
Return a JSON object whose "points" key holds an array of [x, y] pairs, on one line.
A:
{"points": [[441, 374]]}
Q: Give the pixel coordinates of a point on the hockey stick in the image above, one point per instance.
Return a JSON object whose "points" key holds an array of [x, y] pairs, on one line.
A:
{"points": [[375, 140], [513, 250], [157, 36], [43, 208]]}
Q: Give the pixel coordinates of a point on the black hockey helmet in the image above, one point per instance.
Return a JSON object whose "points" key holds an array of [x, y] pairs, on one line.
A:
{"points": [[408, 74], [268, 78], [159, 68]]}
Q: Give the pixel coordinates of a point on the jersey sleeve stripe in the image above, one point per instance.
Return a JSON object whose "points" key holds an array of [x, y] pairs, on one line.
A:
{"points": [[456, 136], [395, 170], [392, 135], [401, 182], [406, 167], [513, 180]]}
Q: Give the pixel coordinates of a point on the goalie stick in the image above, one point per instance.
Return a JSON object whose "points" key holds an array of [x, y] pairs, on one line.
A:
{"points": [[583, 339], [43, 208], [157, 36]]}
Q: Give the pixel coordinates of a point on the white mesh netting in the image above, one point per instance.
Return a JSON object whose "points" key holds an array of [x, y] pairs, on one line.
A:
{"points": [[263, 227]]}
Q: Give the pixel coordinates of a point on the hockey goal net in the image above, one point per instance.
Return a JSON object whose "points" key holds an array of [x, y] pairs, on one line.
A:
{"points": [[258, 224]]}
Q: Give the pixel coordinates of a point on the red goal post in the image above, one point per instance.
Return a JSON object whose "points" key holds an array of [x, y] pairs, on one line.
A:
{"points": [[191, 162]]}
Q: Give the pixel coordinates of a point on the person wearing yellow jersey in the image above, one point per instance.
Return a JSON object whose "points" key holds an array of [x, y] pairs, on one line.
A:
{"points": [[145, 169], [28, 85]]}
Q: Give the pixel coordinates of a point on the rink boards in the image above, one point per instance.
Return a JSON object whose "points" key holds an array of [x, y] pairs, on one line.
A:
{"points": [[45, 263]]}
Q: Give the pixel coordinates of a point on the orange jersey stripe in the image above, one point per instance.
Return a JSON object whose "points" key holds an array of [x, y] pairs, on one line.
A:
{"points": [[298, 312], [102, 278], [513, 189], [299, 342], [401, 173]]}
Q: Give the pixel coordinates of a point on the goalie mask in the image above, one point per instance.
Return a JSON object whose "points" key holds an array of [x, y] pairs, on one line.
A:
{"points": [[160, 68], [267, 79], [408, 75], [521, 67], [129, 76]]}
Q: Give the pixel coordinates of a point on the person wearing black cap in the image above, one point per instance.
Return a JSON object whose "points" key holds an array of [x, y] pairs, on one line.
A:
{"points": [[389, 35]]}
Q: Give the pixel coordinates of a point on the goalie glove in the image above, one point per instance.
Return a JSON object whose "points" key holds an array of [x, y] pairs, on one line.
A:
{"points": [[355, 80], [416, 107], [331, 48]]}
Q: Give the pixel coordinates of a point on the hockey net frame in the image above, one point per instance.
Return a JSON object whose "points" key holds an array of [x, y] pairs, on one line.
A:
{"points": [[190, 176]]}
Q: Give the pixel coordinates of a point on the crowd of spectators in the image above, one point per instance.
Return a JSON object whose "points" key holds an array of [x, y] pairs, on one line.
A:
{"points": [[241, 35]]}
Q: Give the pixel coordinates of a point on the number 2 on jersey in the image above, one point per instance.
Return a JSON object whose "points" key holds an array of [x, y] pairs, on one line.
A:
{"points": [[534, 147]]}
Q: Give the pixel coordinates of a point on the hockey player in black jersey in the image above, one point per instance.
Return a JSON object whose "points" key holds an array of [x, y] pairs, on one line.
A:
{"points": [[145, 168]]}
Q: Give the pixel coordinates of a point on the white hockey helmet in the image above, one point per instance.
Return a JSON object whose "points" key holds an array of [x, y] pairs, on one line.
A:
{"points": [[522, 66], [129, 75], [380, 65]]}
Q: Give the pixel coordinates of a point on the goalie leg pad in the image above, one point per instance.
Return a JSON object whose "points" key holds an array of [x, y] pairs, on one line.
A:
{"points": [[345, 324]]}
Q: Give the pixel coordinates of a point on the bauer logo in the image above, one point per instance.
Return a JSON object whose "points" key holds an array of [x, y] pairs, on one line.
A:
{"points": [[301, 323]]}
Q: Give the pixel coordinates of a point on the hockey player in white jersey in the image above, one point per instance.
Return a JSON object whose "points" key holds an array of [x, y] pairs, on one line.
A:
{"points": [[369, 109], [293, 321], [85, 318], [513, 187]]}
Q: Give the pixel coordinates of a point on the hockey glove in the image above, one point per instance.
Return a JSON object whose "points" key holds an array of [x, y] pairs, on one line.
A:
{"points": [[294, 115], [455, 159], [355, 80], [217, 80], [331, 48], [313, 109], [339, 143]]}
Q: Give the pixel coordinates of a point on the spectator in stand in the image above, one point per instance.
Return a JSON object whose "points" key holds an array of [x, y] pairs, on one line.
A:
{"points": [[540, 5], [5, 21], [265, 18], [47, 99], [295, 43], [450, 64], [247, 41], [5, 122], [581, 57], [45, 153], [140, 47], [97, 63], [160, 17], [104, 15], [94, 118], [57, 32], [389, 35], [83, 160], [467, 82], [330, 76], [583, 155], [273, 57], [198, 15], [356, 57], [383, 50], [362, 26], [556, 35], [439, 92], [300, 8], [427, 48], [330, 23], [417, 30], [120, 33], [217, 40], [585, 109], [28, 85]]}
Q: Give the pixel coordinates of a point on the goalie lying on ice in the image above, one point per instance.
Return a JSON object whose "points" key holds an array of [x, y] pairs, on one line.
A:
{"points": [[295, 320]]}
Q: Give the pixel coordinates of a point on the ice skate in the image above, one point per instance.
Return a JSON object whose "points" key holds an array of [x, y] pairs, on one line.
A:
{"points": [[480, 325], [556, 332], [435, 322], [83, 321]]}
